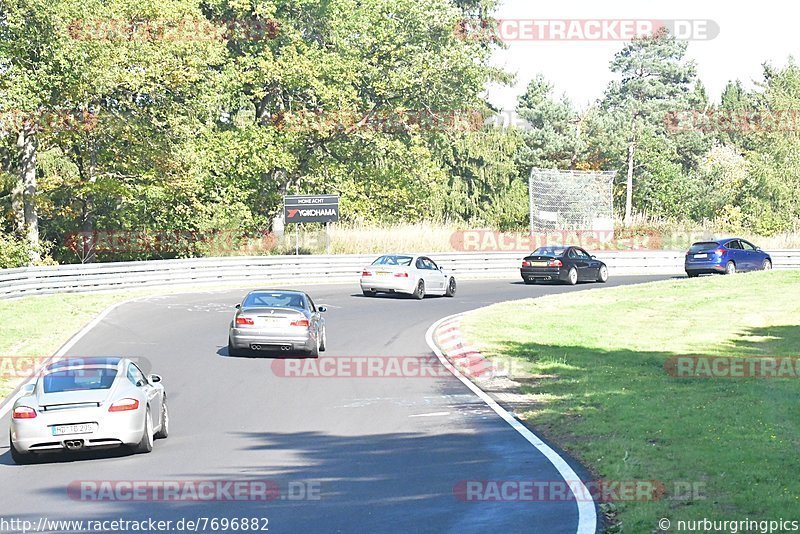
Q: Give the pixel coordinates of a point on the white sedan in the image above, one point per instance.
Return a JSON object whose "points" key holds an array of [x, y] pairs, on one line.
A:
{"points": [[407, 274]]}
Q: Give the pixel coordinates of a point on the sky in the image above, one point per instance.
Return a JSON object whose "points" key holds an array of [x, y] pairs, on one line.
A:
{"points": [[767, 31]]}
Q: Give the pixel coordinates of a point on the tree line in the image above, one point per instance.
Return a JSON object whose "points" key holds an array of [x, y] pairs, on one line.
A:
{"points": [[196, 117]]}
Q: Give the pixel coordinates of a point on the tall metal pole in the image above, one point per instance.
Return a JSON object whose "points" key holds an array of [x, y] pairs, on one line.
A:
{"points": [[530, 201], [328, 237], [296, 239]]}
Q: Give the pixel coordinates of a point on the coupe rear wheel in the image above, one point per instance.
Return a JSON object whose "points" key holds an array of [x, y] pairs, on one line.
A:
{"points": [[692, 275], [572, 276], [368, 293], [766, 266], [314, 353], [324, 342], [602, 274], [451, 288], [164, 432], [419, 293], [146, 444], [20, 458], [730, 268], [530, 282]]}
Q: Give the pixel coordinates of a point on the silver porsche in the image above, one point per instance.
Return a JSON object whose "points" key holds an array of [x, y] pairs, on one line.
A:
{"points": [[88, 403], [277, 322]]}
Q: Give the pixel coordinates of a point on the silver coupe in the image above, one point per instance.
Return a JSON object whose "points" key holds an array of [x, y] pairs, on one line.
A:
{"points": [[88, 403]]}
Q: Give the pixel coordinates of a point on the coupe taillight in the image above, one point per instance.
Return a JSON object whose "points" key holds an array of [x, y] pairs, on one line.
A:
{"points": [[24, 412], [554, 263], [401, 275], [300, 322], [526, 263], [124, 405], [242, 321], [366, 273]]}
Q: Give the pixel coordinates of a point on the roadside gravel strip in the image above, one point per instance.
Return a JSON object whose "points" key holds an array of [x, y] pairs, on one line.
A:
{"points": [[444, 339]]}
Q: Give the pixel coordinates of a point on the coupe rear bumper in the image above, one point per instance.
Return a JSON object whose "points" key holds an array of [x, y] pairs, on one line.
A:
{"points": [[704, 267], [113, 430], [388, 284], [543, 273]]}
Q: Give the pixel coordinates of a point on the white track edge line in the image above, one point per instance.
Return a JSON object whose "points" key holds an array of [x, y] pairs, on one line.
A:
{"points": [[587, 515]]}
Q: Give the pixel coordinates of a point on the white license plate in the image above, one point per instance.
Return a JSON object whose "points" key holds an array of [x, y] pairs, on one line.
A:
{"points": [[383, 273], [538, 264], [700, 256], [82, 428]]}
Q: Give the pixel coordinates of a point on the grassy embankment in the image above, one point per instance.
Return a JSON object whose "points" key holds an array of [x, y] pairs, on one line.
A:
{"points": [[593, 367]]}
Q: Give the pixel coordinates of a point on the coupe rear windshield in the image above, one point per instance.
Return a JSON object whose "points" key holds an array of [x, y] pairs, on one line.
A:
{"points": [[274, 300], [703, 246], [549, 251], [393, 260], [79, 379]]}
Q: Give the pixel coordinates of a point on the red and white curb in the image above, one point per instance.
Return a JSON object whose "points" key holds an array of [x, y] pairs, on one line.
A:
{"points": [[448, 332], [467, 359]]}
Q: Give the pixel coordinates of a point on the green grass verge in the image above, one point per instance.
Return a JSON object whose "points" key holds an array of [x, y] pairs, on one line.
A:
{"points": [[38, 326], [593, 367]]}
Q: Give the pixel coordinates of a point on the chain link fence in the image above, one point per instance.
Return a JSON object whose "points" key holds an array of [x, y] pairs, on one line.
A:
{"points": [[571, 200]]}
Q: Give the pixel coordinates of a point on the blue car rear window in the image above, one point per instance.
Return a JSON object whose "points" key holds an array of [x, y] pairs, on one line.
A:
{"points": [[704, 246]]}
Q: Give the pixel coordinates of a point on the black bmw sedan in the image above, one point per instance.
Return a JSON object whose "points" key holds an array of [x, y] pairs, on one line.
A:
{"points": [[564, 263]]}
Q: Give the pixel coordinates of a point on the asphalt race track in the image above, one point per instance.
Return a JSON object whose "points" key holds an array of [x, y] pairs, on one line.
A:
{"points": [[384, 454]]}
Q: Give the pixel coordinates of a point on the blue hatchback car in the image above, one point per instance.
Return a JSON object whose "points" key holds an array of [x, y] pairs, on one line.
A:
{"points": [[725, 256]]}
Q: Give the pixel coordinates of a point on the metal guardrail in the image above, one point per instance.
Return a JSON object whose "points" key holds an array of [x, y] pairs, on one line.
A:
{"points": [[262, 270]]}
